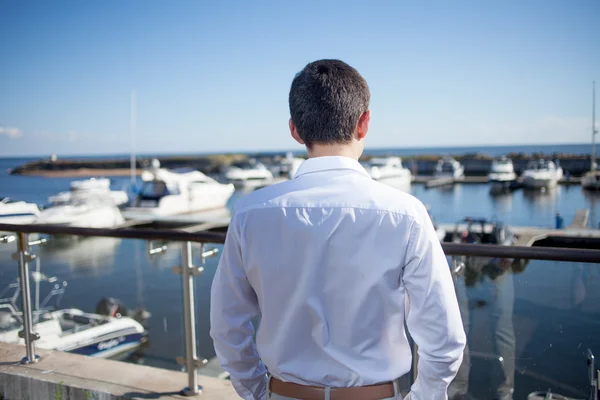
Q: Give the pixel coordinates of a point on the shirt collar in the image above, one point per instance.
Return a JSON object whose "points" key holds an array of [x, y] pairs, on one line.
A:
{"points": [[329, 163]]}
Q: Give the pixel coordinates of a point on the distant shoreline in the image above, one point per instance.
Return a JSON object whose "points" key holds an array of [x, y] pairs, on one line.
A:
{"points": [[412, 150], [80, 173], [476, 164]]}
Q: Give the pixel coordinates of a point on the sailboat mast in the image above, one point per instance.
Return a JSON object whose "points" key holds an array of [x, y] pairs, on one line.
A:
{"points": [[594, 131], [132, 121]]}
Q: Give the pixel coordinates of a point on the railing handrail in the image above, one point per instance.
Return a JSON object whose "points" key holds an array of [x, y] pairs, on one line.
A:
{"points": [[174, 235], [451, 249]]}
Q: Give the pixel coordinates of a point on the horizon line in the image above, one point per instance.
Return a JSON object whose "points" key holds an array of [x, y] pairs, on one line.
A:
{"points": [[366, 150]]}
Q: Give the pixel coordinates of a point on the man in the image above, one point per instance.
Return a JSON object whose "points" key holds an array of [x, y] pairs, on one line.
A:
{"points": [[334, 263]]}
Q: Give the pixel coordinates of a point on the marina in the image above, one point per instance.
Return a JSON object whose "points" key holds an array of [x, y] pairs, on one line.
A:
{"points": [[546, 294]]}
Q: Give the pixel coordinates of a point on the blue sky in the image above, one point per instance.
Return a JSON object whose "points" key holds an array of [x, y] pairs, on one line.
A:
{"points": [[215, 76]]}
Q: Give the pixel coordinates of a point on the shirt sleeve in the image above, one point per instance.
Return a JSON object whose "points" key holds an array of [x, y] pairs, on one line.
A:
{"points": [[233, 305], [433, 317]]}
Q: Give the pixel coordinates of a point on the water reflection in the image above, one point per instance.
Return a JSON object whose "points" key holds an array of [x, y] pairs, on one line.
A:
{"points": [[486, 287], [502, 202], [542, 198], [89, 256]]}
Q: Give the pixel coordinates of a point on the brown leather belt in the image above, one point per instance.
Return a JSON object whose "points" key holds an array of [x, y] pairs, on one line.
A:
{"points": [[295, 391]]}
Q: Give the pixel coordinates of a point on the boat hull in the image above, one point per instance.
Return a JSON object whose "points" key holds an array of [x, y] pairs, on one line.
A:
{"points": [[117, 346], [496, 177], [93, 217], [212, 198], [539, 183], [591, 181]]}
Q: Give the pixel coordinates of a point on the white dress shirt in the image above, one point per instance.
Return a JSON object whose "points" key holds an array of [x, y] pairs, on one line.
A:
{"points": [[334, 263]]}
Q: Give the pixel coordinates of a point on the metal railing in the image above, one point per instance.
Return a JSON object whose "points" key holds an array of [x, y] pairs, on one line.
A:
{"points": [[189, 271]]}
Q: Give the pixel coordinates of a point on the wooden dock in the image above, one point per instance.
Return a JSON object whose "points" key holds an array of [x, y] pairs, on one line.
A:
{"points": [[581, 219]]}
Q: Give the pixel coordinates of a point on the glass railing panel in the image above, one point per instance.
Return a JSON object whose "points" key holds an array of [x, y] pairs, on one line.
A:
{"points": [[202, 285], [81, 274], [529, 325]]}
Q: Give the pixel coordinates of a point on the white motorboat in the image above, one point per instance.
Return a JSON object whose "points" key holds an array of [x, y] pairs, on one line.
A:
{"points": [[84, 212], [448, 167], [248, 174], [17, 212], [92, 187], [388, 170], [591, 180], [108, 333], [502, 170], [541, 174], [502, 175], [171, 192]]}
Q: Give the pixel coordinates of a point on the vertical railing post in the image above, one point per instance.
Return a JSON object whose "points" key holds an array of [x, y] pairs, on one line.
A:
{"points": [[189, 320], [453, 268], [24, 257]]}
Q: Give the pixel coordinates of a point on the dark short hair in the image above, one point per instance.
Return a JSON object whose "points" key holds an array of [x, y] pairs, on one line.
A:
{"points": [[326, 100]]}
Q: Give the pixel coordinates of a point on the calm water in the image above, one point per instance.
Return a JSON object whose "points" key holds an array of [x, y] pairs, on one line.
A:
{"points": [[551, 309]]}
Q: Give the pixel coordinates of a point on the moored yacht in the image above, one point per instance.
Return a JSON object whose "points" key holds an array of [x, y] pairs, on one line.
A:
{"points": [[83, 211], [591, 180], [248, 174], [169, 192], [92, 187], [17, 212], [502, 170], [541, 174], [502, 174], [388, 170], [448, 167]]}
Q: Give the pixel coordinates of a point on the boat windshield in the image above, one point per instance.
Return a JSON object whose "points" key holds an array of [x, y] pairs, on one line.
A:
{"points": [[541, 164], [156, 189], [447, 167]]}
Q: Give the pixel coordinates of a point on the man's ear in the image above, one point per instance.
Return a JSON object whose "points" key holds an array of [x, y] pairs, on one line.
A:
{"points": [[294, 133], [363, 125]]}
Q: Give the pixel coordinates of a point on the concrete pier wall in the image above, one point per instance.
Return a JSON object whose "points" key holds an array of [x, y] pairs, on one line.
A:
{"points": [[64, 376]]}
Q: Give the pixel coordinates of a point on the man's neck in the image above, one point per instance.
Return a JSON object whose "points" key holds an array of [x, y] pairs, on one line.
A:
{"points": [[340, 150]]}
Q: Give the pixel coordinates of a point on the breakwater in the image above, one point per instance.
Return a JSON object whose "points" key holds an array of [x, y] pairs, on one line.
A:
{"points": [[475, 164]]}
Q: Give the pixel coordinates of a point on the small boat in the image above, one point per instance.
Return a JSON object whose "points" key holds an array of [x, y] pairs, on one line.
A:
{"points": [[448, 167], [480, 230], [502, 170], [248, 174], [17, 212], [388, 170], [111, 332], [92, 187], [541, 174], [84, 212], [591, 180], [502, 175], [170, 192]]}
